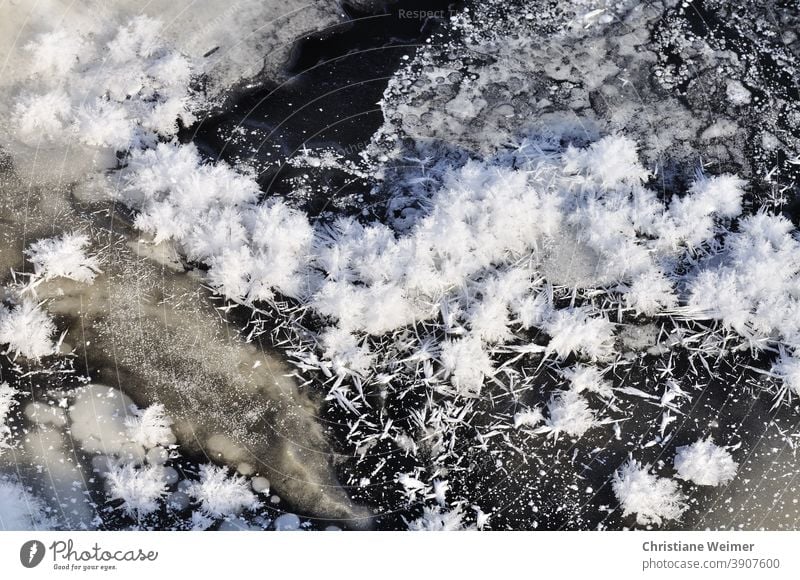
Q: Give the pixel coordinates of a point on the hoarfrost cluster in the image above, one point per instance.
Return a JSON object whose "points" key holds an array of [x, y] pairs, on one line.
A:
{"points": [[503, 303]]}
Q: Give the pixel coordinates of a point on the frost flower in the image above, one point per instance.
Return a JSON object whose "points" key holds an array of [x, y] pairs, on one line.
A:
{"points": [[568, 412], [220, 495], [63, 257], [466, 363], [650, 293], [28, 330], [787, 368], [586, 378], [437, 520], [704, 463], [21, 510], [574, 330], [609, 162], [653, 499], [140, 489], [150, 427]]}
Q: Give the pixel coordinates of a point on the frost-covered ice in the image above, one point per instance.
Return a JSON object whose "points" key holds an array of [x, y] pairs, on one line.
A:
{"points": [[573, 259]]}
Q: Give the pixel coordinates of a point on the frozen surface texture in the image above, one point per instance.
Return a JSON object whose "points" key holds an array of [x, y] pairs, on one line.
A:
{"points": [[560, 288]]}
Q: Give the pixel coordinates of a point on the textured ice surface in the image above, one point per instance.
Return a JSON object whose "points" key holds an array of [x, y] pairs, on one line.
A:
{"points": [[81, 81], [578, 267], [130, 326]]}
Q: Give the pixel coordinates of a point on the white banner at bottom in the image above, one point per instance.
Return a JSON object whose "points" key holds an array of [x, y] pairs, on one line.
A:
{"points": [[400, 554]]}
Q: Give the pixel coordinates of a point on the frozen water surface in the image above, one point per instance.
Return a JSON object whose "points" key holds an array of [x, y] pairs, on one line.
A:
{"points": [[493, 265]]}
